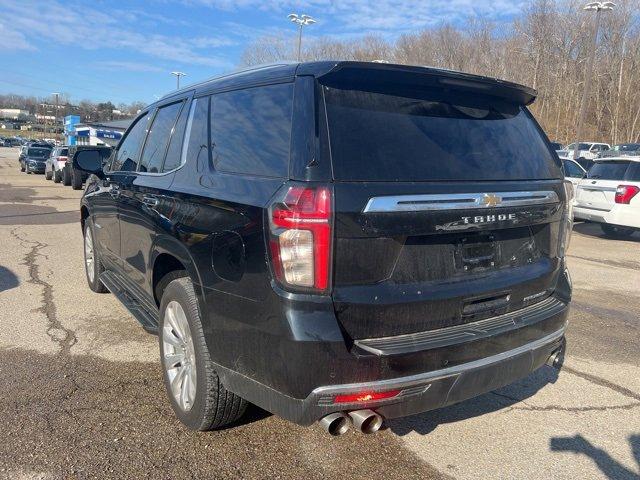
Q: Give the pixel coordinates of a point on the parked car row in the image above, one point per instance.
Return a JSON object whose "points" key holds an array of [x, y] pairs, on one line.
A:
{"points": [[54, 162], [607, 193], [589, 151]]}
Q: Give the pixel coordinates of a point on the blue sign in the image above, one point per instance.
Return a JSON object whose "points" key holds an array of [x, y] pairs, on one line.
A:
{"points": [[108, 134]]}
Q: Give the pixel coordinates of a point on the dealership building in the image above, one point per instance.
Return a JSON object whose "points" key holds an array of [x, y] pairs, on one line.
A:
{"points": [[94, 133]]}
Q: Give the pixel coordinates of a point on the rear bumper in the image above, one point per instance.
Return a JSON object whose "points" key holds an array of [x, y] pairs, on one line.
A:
{"points": [[623, 215], [419, 393]]}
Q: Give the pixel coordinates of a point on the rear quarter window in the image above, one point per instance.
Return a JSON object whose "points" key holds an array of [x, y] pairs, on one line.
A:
{"points": [[431, 136], [251, 130]]}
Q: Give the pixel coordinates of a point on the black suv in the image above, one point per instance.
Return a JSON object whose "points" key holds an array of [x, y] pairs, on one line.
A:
{"points": [[74, 177], [335, 241]]}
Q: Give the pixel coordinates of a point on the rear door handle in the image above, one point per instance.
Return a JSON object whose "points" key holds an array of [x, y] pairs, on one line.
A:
{"points": [[150, 201]]}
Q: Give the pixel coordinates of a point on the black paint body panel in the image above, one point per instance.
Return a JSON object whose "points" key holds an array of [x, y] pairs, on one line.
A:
{"points": [[272, 344]]}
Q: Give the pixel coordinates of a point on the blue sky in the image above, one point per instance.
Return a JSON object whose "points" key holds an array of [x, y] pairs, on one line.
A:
{"points": [[124, 50]]}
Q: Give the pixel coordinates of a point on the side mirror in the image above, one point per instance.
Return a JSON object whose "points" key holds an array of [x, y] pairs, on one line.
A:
{"points": [[89, 161]]}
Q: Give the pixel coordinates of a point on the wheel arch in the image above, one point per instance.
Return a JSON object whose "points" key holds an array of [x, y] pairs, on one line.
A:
{"points": [[169, 255]]}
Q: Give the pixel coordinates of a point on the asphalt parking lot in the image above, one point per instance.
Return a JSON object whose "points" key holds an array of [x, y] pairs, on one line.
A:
{"points": [[81, 392]]}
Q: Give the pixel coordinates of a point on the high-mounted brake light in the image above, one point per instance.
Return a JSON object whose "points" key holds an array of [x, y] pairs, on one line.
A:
{"points": [[624, 193], [365, 396], [300, 241]]}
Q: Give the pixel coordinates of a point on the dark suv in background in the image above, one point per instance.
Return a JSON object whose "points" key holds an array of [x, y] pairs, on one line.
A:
{"points": [[74, 177], [34, 157], [335, 241]]}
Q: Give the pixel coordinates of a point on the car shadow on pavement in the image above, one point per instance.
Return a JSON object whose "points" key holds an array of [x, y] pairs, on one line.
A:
{"points": [[593, 230], [8, 279], [500, 399], [611, 468]]}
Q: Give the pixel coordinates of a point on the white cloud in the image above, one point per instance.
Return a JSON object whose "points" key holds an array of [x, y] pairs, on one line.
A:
{"points": [[90, 29], [126, 65], [382, 15], [13, 39]]}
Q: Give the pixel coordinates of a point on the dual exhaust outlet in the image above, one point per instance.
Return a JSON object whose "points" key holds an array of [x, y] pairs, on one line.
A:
{"points": [[365, 421]]}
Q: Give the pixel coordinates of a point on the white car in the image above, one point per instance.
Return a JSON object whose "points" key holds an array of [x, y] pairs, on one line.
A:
{"points": [[610, 196], [55, 163], [587, 150]]}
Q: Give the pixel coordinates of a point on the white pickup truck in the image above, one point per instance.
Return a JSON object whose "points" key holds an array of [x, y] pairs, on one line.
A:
{"points": [[610, 196]]}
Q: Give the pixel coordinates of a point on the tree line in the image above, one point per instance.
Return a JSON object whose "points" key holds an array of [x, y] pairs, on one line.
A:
{"points": [[88, 110], [546, 48]]}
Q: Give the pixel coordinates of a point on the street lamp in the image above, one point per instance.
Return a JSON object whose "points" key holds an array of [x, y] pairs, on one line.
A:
{"points": [[55, 115], [597, 7], [301, 21], [178, 75]]}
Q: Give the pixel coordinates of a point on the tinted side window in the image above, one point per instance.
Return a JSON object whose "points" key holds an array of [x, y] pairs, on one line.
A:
{"points": [[197, 136], [156, 144], [572, 170], [174, 154], [126, 159], [251, 130]]}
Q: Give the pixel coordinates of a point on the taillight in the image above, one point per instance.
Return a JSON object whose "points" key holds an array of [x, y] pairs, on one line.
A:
{"points": [[62, 159], [300, 222], [624, 193]]}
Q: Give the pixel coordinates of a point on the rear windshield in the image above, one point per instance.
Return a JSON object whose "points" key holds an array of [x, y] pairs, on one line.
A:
{"points": [[38, 152], [64, 152], [609, 170], [429, 135]]}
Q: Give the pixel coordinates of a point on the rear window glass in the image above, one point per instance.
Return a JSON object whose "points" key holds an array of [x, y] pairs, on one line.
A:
{"points": [[431, 136], [38, 152], [609, 170], [64, 152]]}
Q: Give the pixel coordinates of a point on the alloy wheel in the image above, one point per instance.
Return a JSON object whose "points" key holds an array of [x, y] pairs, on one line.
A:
{"points": [[179, 356], [89, 257]]}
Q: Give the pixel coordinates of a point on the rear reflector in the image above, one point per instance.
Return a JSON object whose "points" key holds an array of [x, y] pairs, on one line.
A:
{"points": [[624, 193], [365, 396]]}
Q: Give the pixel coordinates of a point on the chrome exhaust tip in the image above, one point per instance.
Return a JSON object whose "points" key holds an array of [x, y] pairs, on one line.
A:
{"points": [[366, 421], [335, 424], [556, 359]]}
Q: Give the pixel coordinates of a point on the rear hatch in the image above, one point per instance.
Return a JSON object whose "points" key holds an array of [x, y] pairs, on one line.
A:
{"points": [[598, 190], [448, 206]]}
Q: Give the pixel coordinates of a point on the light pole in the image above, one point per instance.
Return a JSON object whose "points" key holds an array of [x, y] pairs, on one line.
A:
{"points": [[55, 114], [178, 75], [598, 7], [301, 21]]}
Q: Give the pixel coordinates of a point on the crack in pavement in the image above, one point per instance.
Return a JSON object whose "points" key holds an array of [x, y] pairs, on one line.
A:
{"points": [[64, 337], [602, 383]]}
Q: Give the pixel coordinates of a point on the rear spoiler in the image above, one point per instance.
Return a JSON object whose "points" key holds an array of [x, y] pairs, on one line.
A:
{"points": [[416, 77]]}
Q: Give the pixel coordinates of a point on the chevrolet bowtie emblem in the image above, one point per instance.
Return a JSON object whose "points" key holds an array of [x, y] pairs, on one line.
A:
{"points": [[491, 200]]}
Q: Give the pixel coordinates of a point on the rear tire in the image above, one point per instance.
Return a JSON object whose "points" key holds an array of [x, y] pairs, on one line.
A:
{"points": [[66, 178], [57, 176], [92, 264], [615, 231], [76, 180], [21, 167], [47, 175], [194, 389]]}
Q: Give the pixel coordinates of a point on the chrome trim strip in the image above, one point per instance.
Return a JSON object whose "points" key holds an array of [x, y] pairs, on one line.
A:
{"points": [[467, 332], [596, 188], [402, 382], [458, 201]]}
